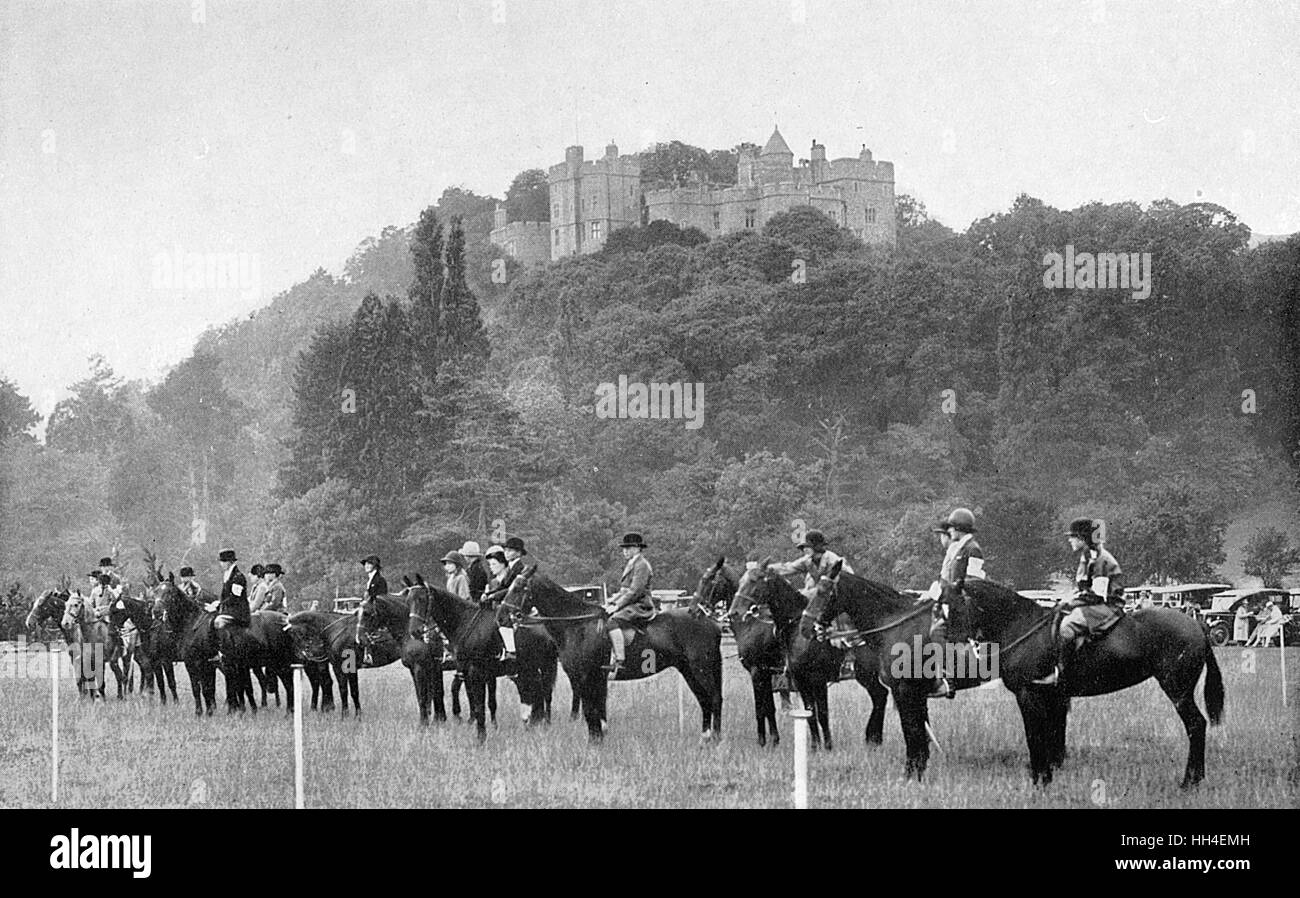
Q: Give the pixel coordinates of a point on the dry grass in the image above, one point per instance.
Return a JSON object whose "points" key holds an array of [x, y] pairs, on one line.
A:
{"points": [[1127, 748]]}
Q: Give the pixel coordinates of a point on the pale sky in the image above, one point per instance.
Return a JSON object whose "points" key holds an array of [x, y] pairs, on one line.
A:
{"points": [[289, 131]]}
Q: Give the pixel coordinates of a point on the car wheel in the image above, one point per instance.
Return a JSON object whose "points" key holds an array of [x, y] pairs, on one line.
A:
{"points": [[1219, 634]]}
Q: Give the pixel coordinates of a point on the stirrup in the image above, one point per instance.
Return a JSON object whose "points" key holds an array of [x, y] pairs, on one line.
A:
{"points": [[1050, 680], [507, 655], [613, 667], [942, 689]]}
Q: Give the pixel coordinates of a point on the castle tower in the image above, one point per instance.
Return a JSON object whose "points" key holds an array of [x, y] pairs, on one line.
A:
{"points": [[591, 199], [776, 161], [821, 169]]}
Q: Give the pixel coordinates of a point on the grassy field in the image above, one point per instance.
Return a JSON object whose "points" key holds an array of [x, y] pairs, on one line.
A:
{"points": [[1126, 750]]}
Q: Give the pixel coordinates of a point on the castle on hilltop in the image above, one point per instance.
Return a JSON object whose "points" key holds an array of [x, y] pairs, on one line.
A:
{"points": [[592, 198]]}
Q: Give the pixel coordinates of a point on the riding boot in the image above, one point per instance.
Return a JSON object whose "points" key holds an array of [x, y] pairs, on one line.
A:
{"points": [[508, 643], [939, 633], [1063, 652], [616, 641]]}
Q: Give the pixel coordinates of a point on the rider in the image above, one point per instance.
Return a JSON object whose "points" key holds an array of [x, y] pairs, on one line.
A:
{"points": [[188, 584], [476, 571], [962, 558], [106, 566], [257, 592], [817, 560], [498, 568], [376, 585], [632, 603], [1099, 593], [102, 596], [514, 552], [274, 596], [453, 565], [232, 607]]}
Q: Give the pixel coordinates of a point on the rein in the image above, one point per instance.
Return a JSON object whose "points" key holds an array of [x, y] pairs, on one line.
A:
{"points": [[923, 608], [1044, 621]]}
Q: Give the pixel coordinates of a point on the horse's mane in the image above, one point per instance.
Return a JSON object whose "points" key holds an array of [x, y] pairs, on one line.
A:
{"points": [[880, 592], [558, 599], [1001, 602]]}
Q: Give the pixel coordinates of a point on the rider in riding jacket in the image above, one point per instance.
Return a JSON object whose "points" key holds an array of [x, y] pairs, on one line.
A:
{"points": [[376, 586], [962, 558], [505, 563], [232, 607], [632, 603], [274, 597], [1099, 594], [817, 560]]}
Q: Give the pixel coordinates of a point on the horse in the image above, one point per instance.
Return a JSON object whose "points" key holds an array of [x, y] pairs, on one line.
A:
{"points": [[325, 640], [1150, 642], [264, 644], [887, 620], [189, 628], [677, 638], [82, 629], [471, 629], [153, 667], [420, 648], [457, 681], [785, 635]]}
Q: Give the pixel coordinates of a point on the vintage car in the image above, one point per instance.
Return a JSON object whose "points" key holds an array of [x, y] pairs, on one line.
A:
{"points": [[592, 594], [347, 604], [1221, 617], [1190, 598]]}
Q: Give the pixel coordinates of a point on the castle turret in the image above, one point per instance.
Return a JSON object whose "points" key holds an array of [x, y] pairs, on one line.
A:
{"points": [[777, 159], [611, 150], [745, 167], [820, 167], [865, 155]]}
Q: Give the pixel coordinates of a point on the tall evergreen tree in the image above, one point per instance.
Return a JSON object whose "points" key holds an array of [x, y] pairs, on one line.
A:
{"points": [[461, 337]]}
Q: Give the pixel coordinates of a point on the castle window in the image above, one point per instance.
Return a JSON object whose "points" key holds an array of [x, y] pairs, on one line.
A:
{"points": [[871, 215], [555, 210], [556, 235], [750, 216], [717, 221], [595, 230]]}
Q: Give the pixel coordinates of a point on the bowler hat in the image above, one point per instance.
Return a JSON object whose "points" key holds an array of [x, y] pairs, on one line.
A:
{"points": [[226, 555], [495, 552], [257, 570], [1081, 528], [470, 549], [455, 558], [517, 544], [371, 559], [632, 540], [813, 539], [105, 562], [187, 572], [273, 568]]}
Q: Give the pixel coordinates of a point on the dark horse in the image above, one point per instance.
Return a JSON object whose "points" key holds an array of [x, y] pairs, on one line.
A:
{"points": [[264, 646], [786, 636], [325, 640], [887, 620], [150, 650], [678, 638], [1151, 642], [471, 628], [420, 647], [190, 638]]}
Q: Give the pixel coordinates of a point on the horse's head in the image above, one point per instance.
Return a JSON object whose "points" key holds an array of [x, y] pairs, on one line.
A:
{"points": [[519, 593], [48, 606], [760, 586], [177, 607], [985, 609], [717, 586], [74, 611], [826, 604]]}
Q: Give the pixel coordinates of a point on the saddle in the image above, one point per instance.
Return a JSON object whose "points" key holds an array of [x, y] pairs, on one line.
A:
{"points": [[1110, 614]]}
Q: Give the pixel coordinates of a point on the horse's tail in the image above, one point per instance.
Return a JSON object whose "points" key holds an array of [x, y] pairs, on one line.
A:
{"points": [[1213, 685]]}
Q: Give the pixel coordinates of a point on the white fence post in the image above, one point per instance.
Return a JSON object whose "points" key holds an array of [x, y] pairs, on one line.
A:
{"points": [[54, 725], [800, 716], [298, 802], [1282, 650]]}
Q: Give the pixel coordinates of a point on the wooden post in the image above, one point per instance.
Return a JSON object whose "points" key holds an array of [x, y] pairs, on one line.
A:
{"points": [[801, 716], [298, 801], [54, 725]]}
